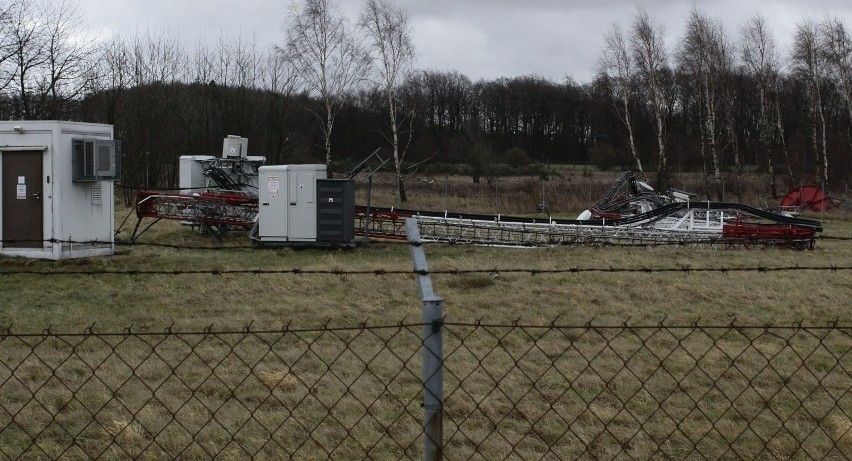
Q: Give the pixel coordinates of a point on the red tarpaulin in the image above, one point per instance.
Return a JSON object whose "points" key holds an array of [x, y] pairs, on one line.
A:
{"points": [[810, 198]]}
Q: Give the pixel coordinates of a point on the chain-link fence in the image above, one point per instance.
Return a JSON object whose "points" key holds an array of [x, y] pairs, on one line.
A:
{"points": [[509, 391], [433, 389], [659, 392], [310, 394]]}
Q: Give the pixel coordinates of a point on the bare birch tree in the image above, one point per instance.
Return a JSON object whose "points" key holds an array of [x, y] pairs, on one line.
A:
{"points": [[67, 50], [761, 61], [760, 57], [238, 65], [651, 58], [45, 50], [201, 63], [701, 55], [26, 28], [727, 105], [156, 57], [279, 78], [616, 65], [327, 57], [838, 50], [109, 74], [730, 102], [7, 43], [808, 61], [389, 36]]}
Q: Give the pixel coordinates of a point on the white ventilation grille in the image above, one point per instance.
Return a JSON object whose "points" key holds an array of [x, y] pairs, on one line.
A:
{"points": [[97, 194]]}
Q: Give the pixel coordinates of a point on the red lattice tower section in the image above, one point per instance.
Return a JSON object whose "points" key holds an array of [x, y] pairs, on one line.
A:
{"points": [[216, 209]]}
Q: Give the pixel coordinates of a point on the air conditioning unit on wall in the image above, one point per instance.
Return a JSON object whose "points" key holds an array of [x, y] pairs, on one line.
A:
{"points": [[95, 160]]}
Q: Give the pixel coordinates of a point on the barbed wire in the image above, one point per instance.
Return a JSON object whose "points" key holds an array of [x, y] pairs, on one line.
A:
{"points": [[209, 330], [155, 188], [131, 243], [661, 324], [493, 272], [175, 246], [391, 241], [402, 242], [365, 325]]}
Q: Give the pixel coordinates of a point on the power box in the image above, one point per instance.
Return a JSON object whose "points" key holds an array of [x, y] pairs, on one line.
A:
{"points": [[234, 147], [335, 210], [191, 177], [299, 205], [288, 202]]}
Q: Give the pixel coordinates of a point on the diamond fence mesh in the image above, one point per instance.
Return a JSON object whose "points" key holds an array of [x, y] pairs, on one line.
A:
{"points": [[325, 393], [510, 391], [661, 392]]}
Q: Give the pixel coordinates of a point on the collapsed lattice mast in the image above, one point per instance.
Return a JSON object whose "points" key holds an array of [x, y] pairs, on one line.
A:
{"points": [[629, 213]]}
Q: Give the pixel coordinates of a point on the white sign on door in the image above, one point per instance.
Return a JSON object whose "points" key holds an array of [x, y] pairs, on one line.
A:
{"points": [[22, 192]]}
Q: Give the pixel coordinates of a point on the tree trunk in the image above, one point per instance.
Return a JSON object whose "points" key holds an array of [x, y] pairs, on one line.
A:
{"points": [[630, 140], [814, 142], [397, 158], [848, 98], [662, 166], [738, 168], [710, 113], [765, 143], [770, 173], [400, 184], [779, 127], [704, 148], [824, 177], [818, 131]]}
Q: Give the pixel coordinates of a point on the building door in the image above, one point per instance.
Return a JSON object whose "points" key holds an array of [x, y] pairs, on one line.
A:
{"points": [[23, 212], [303, 209]]}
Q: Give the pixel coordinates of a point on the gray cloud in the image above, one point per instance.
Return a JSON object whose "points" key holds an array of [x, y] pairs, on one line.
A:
{"points": [[479, 38]]}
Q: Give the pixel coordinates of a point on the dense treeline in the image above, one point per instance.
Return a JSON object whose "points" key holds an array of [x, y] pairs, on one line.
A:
{"points": [[721, 103]]}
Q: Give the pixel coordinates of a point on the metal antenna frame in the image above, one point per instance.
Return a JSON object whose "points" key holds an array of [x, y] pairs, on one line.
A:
{"points": [[371, 170]]}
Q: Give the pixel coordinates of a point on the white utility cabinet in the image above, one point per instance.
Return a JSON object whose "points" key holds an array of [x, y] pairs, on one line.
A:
{"points": [[56, 189], [234, 147], [288, 208], [191, 172]]}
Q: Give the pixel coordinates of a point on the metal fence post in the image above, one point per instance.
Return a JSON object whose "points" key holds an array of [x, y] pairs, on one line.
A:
{"points": [[433, 349]]}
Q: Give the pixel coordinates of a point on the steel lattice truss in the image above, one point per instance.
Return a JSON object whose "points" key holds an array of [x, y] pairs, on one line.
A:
{"points": [[684, 226], [706, 223], [211, 209]]}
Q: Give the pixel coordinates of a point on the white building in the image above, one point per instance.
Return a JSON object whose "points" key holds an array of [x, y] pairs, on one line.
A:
{"points": [[56, 189]]}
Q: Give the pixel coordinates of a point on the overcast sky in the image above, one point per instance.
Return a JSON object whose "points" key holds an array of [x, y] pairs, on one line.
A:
{"points": [[483, 39]]}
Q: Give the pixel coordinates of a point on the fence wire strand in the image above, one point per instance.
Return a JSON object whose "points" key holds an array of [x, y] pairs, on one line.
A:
{"points": [[495, 271], [221, 247]]}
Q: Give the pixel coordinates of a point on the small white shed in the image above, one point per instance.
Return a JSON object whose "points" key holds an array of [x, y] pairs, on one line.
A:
{"points": [[56, 189]]}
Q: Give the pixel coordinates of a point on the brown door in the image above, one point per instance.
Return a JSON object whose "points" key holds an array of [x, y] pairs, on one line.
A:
{"points": [[23, 212]]}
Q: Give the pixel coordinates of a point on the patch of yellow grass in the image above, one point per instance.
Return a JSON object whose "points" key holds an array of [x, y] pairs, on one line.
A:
{"points": [[278, 378], [840, 427], [124, 431]]}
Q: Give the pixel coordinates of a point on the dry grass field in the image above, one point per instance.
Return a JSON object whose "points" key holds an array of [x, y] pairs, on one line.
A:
{"points": [[504, 291]]}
